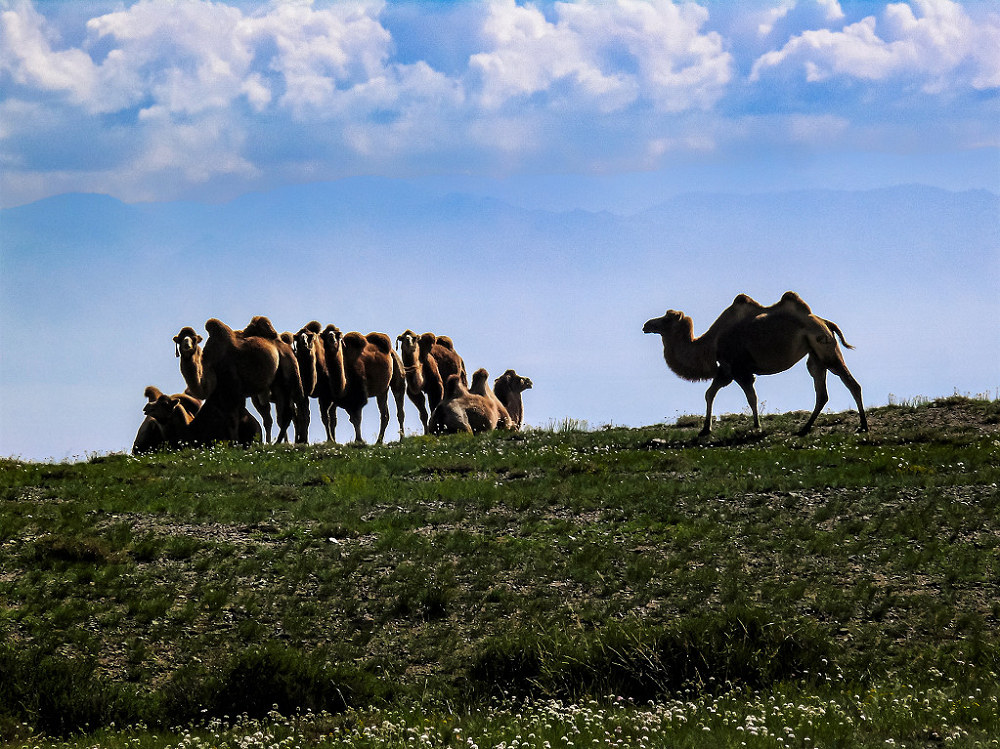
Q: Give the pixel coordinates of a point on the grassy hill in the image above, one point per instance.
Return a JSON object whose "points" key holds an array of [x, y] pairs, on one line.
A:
{"points": [[548, 565]]}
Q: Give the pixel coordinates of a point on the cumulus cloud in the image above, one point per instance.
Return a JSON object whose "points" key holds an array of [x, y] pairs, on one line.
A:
{"points": [[939, 44], [156, 95], [609, 55]]}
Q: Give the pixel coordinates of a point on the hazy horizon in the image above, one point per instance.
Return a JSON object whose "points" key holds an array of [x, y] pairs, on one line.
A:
{"points": [[534, 179]]}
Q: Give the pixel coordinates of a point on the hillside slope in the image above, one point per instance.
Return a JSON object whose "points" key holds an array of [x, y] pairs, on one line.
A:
{"points": [[562, 562]]}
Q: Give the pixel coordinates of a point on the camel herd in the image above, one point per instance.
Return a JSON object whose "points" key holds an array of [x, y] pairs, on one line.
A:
{"points": [[345, 370], [338, 370]]}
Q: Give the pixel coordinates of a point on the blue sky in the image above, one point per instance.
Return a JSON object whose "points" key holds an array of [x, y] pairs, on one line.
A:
{"points": [[198, 116]]}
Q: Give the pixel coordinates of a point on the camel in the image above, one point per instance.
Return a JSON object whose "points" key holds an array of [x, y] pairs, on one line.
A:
{"points": [[188, 350], [254, 362], [173, 418], [406, 342], [191, 404], [361, 367], [461, 410], [150, 436], [439, 361], [480, 386], [508, 388], [748, 340], [216, 420], [311, 356]]}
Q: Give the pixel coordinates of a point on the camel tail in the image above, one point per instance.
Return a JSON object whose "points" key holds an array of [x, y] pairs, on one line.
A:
{"points": [[837, 331]]}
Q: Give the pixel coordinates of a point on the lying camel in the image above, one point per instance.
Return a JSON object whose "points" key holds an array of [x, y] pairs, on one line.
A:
{"points": [[151, 436], [214, 421], [362, 367], [480, 386], [749, 339], [464, 411], [508, 388]]}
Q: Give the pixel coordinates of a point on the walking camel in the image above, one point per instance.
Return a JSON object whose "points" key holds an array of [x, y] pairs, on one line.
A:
{"points": [[749, 339]]}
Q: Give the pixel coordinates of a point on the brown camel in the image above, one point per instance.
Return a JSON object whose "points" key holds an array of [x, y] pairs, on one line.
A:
{"points": [[362, 367], [256, 363], [188, 350], [508, 388], [151, 435], [464, 411], [748, 340], [407, 343], [480, 386], [439, 361], [216, 421], [311, 356]]}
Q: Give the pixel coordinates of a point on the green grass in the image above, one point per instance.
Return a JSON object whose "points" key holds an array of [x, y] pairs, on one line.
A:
{"points": [[453, 578]]}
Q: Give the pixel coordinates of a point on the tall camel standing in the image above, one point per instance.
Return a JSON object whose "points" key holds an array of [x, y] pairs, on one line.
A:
{"points": [[748, 340], [362, 367], [253, 362]]}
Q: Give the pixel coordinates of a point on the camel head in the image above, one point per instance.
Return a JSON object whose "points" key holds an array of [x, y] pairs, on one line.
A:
{"points": [[665, 324], [426, 341], [331, 338], [304, 342], [514, 381], [186, 342], [407, 341]]}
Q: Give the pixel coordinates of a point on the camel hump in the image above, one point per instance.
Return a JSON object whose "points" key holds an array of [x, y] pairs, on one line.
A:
{"points": [[219, 329], [381, 341], [426, 341], [746, 299], [443, 340], [453, 387], [313, 326], [261, 327], [479, 380], [288, 338], [354, 341], [792, 299]]}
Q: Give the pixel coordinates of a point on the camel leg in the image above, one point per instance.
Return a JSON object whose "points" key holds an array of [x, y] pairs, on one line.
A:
{"points": [[383, 412], [397, 396], [721, 380], [263, 407], [818, 371], [746, 382], [284, 410], [418, 400], [355, 416], [325, 409], [840, 369], [302, 418]]}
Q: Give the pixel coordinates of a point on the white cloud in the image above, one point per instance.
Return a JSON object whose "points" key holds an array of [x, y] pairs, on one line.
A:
{"points": [[676, 66], [940, 46], [159, 94], [28, 56]]}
